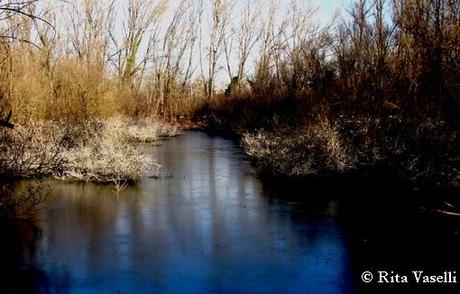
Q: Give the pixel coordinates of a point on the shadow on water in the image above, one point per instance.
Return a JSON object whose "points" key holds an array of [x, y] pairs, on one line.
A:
{"points": [[19, 272], [209, 225], [385, 226]]}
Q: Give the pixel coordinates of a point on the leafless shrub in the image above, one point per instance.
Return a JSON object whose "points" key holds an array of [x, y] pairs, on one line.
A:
{"points": [[110, 158], [318, 148], [32, 149], [147, 131], [95, 151]]}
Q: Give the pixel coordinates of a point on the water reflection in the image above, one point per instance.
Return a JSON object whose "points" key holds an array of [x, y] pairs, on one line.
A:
{"points": [[19, 271], [208, 227]]}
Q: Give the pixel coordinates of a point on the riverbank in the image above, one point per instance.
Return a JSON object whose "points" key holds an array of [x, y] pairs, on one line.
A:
{"points": [[395, 149], [99, 151], [421, 151]]}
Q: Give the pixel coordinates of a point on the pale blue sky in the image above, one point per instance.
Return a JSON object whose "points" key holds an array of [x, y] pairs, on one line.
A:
{"points": [[331, 5], [327, 8]]}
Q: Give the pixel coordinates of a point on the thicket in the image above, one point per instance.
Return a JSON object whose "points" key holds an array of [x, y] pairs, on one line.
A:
{"points": [[378, 84], [381, 85]]}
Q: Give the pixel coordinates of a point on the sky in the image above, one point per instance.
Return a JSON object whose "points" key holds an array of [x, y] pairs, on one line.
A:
{"points": [[328, 8]]}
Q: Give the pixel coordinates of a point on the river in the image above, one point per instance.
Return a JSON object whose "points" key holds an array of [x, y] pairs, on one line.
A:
{"points": [[210, 225]]}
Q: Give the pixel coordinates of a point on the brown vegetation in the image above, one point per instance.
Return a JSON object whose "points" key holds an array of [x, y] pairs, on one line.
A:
{"points": [[96, 151], [67, 100], [380, 84]]}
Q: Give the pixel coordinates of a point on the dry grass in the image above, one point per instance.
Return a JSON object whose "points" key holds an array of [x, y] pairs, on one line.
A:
{"points": [[319, 148], [357, 142], [96, 151], [109, 157], [145, 131], [32, 149]]}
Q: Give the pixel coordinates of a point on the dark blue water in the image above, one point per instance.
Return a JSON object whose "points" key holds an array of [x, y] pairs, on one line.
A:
{"points": [[206, 225]]}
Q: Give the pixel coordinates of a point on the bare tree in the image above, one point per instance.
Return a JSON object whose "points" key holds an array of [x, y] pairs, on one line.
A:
{"points": [[220, 11], [22, 12], [247, 35], [89, 26], [272, 29], [142, 16], [171, 70]]}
